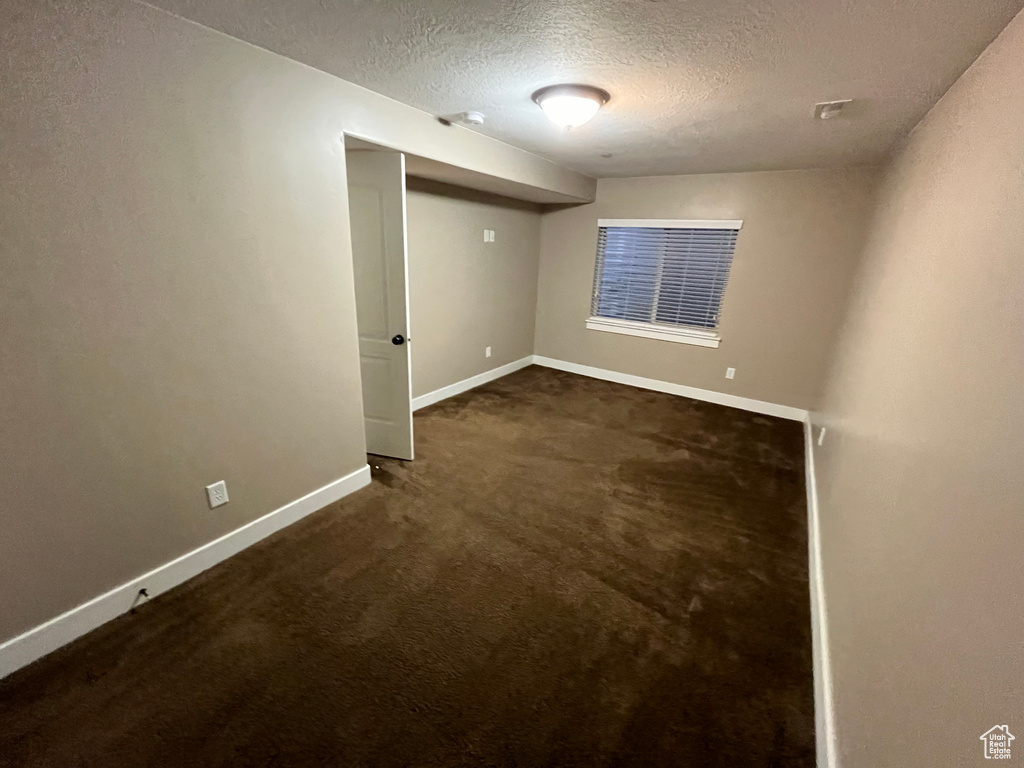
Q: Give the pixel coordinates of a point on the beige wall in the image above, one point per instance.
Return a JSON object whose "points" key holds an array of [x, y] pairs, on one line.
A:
{"points": [[921, 476], [177, 303], [467, 294], [176, 298], [802, 233]]}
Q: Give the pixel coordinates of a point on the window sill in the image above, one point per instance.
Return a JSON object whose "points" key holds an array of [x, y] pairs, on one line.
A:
{"points": [[651, 331]]}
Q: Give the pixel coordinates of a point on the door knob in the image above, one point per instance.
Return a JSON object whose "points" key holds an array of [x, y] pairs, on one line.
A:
{"points": [[398, 340]]}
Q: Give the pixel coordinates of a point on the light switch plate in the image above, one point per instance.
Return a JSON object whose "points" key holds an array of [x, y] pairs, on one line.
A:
{"points": [[217, 494], [487, 351], [730, 373]]}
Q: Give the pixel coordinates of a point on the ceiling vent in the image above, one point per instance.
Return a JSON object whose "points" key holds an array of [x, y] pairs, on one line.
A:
{"points": [[826, 110]]}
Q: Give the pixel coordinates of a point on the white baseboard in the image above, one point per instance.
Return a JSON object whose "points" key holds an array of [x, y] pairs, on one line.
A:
{"points": [[25, 648], [824, 707], [467, 384], [707, 395]]}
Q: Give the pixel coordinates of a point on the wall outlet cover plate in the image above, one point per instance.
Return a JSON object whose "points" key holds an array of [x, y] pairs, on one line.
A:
{"points": [[217, 494]]}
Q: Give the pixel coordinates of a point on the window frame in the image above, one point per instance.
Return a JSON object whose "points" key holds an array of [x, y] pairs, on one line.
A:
{"points": [[662, 331]]}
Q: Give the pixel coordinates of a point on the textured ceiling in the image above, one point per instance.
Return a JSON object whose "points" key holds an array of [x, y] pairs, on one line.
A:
{"points": [[697, 85]]}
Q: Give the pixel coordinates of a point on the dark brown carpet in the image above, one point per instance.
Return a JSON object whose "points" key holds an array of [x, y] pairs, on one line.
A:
{"points": [[572, 573]]}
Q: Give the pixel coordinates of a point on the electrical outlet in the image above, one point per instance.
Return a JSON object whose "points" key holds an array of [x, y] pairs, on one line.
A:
{"points": [[821, 436], [730, 373], [487, 351], [492, 235], [217, 494]]}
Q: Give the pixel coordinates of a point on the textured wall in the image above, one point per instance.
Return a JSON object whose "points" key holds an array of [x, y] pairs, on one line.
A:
{"points": [[175, 296], [920, 477], [802, 233], [467, 294]]}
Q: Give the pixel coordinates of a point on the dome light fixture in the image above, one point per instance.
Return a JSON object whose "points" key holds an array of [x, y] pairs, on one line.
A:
{"points": [[570, 105]]}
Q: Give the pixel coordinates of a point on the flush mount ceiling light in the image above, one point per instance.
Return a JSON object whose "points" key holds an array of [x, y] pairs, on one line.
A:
{"points": [[569, 106]]}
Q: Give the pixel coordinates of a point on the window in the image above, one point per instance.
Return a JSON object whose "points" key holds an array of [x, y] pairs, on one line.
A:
{"points": [[662, 279]]}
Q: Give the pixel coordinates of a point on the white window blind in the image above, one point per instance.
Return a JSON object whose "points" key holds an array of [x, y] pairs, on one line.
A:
{"points": [[663, 273]]}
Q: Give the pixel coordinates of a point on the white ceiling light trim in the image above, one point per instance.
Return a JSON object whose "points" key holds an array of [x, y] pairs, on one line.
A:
{"points": [[570, 106]]}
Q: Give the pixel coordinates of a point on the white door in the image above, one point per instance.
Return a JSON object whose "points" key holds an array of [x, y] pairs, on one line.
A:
{"points": [[376, 192]]}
